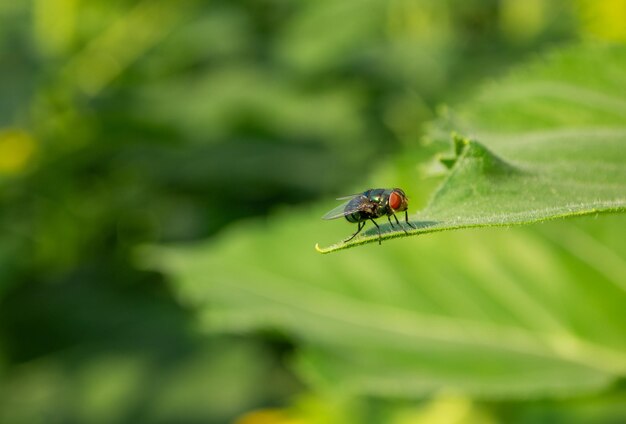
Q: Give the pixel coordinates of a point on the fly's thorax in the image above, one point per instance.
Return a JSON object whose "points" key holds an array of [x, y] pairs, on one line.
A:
{"points": [[377, 195], [380, 200]]}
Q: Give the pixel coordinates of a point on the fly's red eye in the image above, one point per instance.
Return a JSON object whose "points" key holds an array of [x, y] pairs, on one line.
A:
{"points": [[395, 201]]}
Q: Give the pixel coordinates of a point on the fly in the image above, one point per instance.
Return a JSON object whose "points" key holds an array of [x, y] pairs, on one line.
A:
{"points": [[372, 204]]}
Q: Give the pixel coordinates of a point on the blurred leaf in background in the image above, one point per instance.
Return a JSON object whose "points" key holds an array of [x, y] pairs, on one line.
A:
{"points": [[129, 122]]}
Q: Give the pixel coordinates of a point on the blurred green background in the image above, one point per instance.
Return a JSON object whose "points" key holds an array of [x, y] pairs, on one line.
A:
{"points": [[130, 123]]}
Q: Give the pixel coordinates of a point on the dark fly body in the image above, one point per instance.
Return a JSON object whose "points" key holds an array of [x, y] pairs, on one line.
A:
{"points": [[372, 204]]}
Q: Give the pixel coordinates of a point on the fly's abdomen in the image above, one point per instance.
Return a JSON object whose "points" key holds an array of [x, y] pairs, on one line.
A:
{"points": [[354, 205], [356, 217]]}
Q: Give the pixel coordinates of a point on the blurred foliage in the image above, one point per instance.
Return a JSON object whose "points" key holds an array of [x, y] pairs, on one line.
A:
{"points": [[124, 122]]}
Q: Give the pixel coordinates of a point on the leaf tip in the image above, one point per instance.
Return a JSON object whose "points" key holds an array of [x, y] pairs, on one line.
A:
{"points": [[319, 249], [459, 144]]}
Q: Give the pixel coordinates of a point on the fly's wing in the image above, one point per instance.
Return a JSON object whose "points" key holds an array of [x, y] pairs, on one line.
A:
{"points": [[349, 196], [346, 208]]}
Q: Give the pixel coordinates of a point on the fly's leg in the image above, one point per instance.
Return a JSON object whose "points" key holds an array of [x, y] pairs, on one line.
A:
{"points": [[380, 237], [406, 218], [398, 222], [391, 223], [357, 231]]}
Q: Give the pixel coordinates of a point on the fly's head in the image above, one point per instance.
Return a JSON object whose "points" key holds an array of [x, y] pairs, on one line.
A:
{"points": [[398, 201]]}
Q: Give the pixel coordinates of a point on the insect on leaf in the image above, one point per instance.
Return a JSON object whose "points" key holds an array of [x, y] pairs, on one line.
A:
{"points": [[547, 142]]}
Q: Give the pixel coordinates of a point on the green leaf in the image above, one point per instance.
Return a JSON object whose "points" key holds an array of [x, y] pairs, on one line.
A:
{"points": [[547, 142], [520, 313], [523, 313]]}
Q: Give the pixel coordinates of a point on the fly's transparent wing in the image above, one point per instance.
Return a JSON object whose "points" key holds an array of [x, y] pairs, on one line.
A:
{"points": [[349, 196], [346, 208]]}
